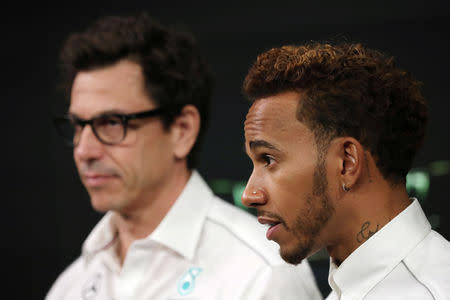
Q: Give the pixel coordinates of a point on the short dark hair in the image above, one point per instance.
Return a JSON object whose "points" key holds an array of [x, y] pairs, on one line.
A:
{"points": [[175, 74], [349, 90]]}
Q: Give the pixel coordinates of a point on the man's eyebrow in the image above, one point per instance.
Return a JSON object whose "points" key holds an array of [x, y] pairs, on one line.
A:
{"points": [[261, 143], [103, 113]]}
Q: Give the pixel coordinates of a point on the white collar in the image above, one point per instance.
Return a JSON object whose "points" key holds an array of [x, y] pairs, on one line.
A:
{"points": [[179, 230], [374, 259]]}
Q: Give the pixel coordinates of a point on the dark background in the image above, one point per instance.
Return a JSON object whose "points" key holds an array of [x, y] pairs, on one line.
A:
{"points": [[46, 213]]}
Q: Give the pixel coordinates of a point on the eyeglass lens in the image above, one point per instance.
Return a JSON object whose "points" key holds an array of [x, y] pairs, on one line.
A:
{"points": [[108, 129]]}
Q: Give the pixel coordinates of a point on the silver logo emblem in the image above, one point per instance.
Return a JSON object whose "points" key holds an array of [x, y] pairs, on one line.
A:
{"points": [[91, 287]]}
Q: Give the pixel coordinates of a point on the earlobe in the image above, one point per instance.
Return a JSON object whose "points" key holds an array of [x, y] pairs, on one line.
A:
{"points": [[185, 129]]}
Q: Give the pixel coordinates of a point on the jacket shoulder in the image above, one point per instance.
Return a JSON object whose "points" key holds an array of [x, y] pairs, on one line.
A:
{"points": [[430, 264], [65, 280]]}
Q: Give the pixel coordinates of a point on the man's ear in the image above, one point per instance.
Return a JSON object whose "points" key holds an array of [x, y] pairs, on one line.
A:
{"points": [[352, 162], [184, 131]]}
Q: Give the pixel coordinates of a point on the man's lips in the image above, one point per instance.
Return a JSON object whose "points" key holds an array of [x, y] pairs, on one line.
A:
{"points": [[274, 225], [96, 179]]}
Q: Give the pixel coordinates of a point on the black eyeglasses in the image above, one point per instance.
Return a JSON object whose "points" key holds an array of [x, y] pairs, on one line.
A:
{"points": [[109, 128]]}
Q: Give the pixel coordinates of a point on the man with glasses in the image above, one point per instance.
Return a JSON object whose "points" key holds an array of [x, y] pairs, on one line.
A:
{"points": [[139, 98]]}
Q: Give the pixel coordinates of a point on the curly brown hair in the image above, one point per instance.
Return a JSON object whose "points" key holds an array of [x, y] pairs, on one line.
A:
{"points": [[174, 71], [350, 90]]}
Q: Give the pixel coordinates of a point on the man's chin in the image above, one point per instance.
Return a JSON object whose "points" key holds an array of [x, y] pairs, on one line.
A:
{"points": [[295, 256], [292, 258], [100, 202], [100, 208]]}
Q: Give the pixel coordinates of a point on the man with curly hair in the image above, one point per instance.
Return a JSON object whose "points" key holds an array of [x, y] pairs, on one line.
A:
{"points": [[139, 98], [332, 133]]}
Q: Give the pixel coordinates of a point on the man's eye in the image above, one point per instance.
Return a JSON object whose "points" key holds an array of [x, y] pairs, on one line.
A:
{"points": [[75, 123], [109, 121], [268, 160]]}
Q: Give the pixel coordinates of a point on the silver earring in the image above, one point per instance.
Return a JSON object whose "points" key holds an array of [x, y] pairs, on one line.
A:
{"points": [[254, 192], [345, 188]]}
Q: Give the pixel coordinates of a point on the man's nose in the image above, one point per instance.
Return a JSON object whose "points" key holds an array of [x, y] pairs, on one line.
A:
{"points": [[253, 195], [88, 146]]}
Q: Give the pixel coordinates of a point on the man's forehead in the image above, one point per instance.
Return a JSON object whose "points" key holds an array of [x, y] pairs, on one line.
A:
{"points": [[124, 72], [275, 112], [118, 87]]}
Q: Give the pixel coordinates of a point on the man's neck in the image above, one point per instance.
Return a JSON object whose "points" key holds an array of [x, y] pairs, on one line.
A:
{"points": [[366, 214], [143, 220]]}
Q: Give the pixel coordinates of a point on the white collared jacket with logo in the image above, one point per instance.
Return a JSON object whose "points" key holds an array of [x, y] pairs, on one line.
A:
{"points": [[203, 249]]}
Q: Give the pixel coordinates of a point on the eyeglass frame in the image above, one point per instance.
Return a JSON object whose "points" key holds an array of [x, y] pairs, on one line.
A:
{"points": [[124, 119]]}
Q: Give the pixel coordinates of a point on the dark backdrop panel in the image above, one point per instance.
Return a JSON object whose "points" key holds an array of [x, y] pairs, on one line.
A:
{"points": [[47, 214]]}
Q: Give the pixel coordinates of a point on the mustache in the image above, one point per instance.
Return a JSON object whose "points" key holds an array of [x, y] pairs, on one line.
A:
{"points": [[96, 167], [270, 215]]}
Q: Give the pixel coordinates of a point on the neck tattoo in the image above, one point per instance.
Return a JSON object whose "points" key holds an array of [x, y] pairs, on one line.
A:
{"points": [[365, 233]]}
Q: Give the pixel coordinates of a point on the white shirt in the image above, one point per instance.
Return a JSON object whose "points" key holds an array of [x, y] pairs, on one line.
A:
{"points": [[404, 260], [204, 248]]}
